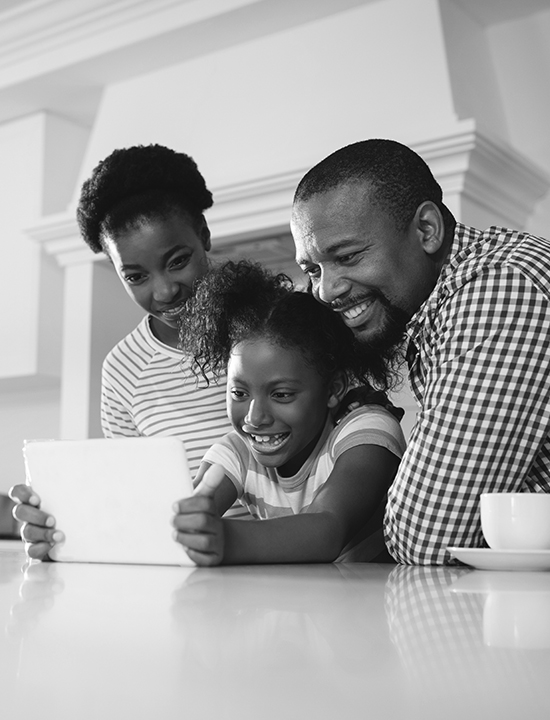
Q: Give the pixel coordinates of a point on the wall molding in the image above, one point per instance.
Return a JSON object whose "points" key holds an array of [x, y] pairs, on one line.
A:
{"points": [[487, 172], [54, 33], [467, 164]]}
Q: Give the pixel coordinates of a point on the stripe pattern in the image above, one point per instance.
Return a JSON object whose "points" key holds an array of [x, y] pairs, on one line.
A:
{"points": [[149, 389], [268, 495]]}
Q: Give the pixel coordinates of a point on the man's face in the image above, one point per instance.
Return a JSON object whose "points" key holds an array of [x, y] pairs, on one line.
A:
{"points": [[375, 275]]}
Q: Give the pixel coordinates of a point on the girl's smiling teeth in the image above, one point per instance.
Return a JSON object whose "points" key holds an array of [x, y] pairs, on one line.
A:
{"points": [[269, 442]]}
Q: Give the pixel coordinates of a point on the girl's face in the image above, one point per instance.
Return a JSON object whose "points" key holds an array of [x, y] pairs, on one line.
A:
{"points": [[158, 263], [277, 403]]}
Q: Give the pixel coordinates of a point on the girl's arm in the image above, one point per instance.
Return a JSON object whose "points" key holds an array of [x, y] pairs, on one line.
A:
{"points": [[354, 490]]}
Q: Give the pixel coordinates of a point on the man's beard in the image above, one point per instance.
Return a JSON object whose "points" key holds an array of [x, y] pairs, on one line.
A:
{"points": [[385, 349]]}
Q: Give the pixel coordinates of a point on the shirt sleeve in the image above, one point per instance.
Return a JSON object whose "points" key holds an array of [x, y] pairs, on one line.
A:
{"points": [[116, 420], [231, 454], [369, 425], [484, 415]]}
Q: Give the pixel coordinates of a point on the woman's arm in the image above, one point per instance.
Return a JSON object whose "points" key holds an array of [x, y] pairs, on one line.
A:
{"points": [[356, 486]]}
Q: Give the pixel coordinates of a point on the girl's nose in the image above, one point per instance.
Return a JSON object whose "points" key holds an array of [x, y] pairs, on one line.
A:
{"points": [[257, 414]]}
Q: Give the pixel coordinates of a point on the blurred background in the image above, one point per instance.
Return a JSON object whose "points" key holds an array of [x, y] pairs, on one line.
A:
{"points": [[256, 91]]}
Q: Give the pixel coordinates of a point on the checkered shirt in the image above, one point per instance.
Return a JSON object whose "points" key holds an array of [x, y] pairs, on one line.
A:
{"points": [[479, 367]]}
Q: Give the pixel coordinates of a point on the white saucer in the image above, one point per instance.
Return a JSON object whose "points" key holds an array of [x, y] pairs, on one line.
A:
{"points": [[487, 559]]}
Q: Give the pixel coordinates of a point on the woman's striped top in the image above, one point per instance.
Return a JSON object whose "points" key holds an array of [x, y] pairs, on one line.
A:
{"points": [[149, 389]]}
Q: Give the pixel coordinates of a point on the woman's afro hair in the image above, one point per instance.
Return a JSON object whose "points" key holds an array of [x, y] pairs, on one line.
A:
{"points": [[139, 182]]}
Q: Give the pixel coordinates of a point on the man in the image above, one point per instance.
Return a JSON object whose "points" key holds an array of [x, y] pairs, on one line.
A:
{"points": [[381, 248]]}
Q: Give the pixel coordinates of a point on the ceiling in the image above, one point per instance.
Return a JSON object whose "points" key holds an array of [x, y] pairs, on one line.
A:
{"points": [[59, 54], [492, 12]]}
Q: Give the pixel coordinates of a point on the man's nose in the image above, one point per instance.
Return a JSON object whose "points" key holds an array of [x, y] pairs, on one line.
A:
{"points": [[331, 285]]}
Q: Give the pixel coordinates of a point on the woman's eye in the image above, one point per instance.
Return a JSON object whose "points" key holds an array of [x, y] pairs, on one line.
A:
{"points": [[180, 261], [133, 279]]}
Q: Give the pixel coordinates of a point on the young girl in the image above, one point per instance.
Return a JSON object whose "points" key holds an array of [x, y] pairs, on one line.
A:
{"points": [[317, 487]]}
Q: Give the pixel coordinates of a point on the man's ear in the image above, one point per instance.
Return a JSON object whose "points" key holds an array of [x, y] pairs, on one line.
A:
{"points": [[337, 389], [428, 221]]}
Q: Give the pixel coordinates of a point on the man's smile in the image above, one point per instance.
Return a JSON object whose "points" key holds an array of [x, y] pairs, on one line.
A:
{"points": [[358, 313]]}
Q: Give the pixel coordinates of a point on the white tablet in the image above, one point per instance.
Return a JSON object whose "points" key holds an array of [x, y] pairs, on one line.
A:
{"points": [[112, 498]]}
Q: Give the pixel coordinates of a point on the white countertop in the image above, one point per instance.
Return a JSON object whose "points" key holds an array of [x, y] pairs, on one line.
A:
{"points": [[359, 641]]}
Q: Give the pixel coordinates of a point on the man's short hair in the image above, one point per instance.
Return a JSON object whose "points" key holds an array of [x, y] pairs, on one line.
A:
{"points": [[398, 178]]}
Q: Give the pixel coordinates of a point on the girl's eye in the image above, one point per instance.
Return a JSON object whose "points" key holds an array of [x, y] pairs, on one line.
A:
{"points": [[284, 395], [238, 394]]}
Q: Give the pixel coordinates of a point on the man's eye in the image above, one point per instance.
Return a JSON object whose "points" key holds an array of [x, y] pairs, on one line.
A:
{"points": [[347, 258], [311, 271]]}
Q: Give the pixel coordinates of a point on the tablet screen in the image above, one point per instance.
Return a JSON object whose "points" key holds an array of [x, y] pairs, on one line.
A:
{"points": [[112, 498]]}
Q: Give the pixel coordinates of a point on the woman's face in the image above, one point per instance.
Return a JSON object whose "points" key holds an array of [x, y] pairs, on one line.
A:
{"points": [[158, 262], [277, 402]]}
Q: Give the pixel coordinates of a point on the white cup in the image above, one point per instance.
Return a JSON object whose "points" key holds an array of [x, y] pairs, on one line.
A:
{"points": [[516, 521]]}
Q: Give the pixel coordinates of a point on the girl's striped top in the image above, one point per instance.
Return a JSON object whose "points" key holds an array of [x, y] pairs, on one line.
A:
{"points": [[268, 495]]}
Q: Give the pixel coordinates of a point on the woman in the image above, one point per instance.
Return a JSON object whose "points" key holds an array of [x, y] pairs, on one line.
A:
{"points": [[144, 207]]}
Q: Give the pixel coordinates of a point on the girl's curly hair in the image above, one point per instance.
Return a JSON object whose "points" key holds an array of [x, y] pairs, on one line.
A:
{"points": [[144, 181], [240, 301]]}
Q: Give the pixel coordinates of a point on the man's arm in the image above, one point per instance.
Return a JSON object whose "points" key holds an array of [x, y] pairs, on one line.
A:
{"points": [[483, 420]]}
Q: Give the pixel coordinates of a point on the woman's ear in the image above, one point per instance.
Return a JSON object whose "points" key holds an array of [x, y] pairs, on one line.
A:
{"points": [[205, 235], [337, 389]]}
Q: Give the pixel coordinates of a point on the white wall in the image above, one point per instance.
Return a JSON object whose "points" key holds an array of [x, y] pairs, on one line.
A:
{"points": [[284, 101], [255, 110], [40, 156], [521, 54]]}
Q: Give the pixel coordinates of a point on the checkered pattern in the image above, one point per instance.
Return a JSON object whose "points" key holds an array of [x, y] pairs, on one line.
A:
{"points": [[437, 629], [479, 365]]}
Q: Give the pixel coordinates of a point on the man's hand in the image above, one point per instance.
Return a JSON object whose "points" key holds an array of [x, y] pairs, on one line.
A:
{"points": [[199, 527]]}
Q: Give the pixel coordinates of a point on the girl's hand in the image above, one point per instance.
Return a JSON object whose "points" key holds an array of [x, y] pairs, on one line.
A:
{"points": [[38, 529], [199, 527]]}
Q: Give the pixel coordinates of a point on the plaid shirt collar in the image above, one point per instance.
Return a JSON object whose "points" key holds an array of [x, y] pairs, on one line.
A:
{"points": [[463, 238]]}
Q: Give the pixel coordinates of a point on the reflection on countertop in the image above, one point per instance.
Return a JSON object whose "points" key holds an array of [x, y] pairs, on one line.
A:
{"points": [[301, 641]]}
